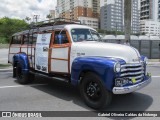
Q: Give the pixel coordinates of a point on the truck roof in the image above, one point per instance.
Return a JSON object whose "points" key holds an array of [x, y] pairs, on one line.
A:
{"points": [[55, 27]]}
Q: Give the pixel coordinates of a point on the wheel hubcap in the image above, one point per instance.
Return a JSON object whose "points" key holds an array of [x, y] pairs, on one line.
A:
{"points": [[93, 91]]}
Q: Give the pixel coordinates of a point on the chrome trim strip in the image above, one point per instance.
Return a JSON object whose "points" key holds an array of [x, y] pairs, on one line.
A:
{"points": [[138, 77], [131, 69], [131, 73], [132, 88], [132, 65]]}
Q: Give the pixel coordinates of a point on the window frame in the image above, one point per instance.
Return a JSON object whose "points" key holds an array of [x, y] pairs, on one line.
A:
{"points": [[60, 45], [89, 31]]}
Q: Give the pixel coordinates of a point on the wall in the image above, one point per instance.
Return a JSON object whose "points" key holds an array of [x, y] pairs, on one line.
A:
{"points": [[149, 48]]}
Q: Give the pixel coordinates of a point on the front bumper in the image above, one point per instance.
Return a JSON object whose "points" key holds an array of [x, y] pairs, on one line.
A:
{"points": [[131, 88]]}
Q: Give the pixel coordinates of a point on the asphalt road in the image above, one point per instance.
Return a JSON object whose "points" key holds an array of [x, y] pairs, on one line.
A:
{"points": [[50, 95]]}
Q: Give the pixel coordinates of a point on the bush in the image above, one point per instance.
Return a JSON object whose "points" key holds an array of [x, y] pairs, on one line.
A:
{"points": [[3, 40]]}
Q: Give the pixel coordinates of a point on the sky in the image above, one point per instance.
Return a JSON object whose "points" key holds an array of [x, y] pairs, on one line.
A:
{"points": [[22, 8]]}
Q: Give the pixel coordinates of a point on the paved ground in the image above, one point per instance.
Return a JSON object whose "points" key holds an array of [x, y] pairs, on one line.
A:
{"points": [[50, 95]]}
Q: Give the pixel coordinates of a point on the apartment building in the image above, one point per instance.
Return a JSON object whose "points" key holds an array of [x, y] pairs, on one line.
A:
{"points": [[150, 9], [85, 10], [150, 27], [150, 17], [112, 16], [52, 13]]}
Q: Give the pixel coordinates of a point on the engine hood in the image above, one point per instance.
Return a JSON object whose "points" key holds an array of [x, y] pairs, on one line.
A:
{"points": [[93, 48]]}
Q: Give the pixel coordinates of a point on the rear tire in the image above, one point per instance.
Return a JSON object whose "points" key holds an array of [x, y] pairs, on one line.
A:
{"points": [[23, 78], [14, 71], [93, 92]]}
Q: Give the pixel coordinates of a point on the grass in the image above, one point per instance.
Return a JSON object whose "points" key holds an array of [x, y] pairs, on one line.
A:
{"points": [[4, 66]]}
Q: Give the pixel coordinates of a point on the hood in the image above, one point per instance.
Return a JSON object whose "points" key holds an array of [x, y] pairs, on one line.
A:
{"points": [[93, 48]]}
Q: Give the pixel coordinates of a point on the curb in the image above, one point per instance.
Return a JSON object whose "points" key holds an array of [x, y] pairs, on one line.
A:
{"points": [[4, 70], [154, 63]]}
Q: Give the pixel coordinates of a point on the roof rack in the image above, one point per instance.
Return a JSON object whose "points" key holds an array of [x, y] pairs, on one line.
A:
{"points": [[56, 21]]}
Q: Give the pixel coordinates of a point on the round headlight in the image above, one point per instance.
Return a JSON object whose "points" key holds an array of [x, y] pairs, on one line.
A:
{"points": [[117, 67], [146, 60]]}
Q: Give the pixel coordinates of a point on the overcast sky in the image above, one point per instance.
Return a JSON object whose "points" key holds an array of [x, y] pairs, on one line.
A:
{"points": [[22, 8]]}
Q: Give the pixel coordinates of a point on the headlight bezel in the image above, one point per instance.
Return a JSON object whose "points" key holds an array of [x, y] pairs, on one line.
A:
{"points": [[117, 67], [146, 60]]}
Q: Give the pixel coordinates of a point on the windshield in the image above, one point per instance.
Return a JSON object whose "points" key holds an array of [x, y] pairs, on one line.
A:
{"points": [[84, 35]]}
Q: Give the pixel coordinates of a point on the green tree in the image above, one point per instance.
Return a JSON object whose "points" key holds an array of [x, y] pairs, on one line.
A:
{"points": [[9, 26], [28, 19], [49, 16], [110, 32]]}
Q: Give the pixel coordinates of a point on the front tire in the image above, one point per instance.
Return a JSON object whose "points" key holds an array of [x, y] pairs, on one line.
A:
{"points": [[93, 92], [23, 78]]}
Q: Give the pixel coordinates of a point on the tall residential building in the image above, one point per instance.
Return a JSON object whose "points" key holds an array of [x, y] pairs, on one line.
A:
{"points": [[135, 17], [150, 17], [150, 9], [103, 2], [112, 16], [85, 10], [159, 10], [52, 13]]}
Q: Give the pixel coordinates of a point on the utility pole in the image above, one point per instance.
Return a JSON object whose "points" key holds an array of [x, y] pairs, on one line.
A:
{"points": [[127, 19]]}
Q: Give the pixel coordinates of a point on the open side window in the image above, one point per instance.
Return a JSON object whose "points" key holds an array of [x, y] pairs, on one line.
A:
{"points": [[25, 39], [16, 40], [30, 39], [35, 35], [60, 37]]}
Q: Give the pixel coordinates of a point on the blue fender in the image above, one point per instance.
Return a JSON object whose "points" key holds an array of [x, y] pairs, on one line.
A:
{"points": [[102, 66], [23, 60], [142, 57]]}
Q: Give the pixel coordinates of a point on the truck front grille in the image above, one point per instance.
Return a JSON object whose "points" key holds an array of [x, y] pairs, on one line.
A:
{"points": [[133, 71]]}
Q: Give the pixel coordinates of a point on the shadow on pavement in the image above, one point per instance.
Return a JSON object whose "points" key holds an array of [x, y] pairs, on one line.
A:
{"points": [[128, 102]]}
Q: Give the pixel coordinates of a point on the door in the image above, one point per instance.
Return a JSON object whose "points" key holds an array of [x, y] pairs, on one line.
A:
{"points": [[42, 52], [60, 53]]}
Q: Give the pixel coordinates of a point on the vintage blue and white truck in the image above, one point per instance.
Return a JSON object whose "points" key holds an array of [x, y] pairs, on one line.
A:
{"points": [[74, 53]]}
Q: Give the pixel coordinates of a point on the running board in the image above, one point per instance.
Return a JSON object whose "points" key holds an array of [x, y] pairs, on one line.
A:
{"points": [[60, 79], [64, 79]]}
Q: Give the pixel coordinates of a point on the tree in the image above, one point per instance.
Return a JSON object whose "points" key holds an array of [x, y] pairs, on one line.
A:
{"points": [[28, 19], [9, 26], [49, 16], [110, 32]]}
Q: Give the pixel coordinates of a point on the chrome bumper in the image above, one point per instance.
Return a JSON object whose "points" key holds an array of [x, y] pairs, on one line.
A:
{"points": [[129, 89]]}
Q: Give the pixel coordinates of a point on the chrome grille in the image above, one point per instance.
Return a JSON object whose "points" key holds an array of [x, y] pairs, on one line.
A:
{"points": [[132, 71]]}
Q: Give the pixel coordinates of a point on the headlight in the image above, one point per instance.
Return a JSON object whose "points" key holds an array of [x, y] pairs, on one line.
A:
{"points": [[146, 60], [117, 67]]}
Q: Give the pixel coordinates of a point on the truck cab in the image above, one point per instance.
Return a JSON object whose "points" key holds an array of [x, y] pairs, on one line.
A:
{"points": [[75, 53]]}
